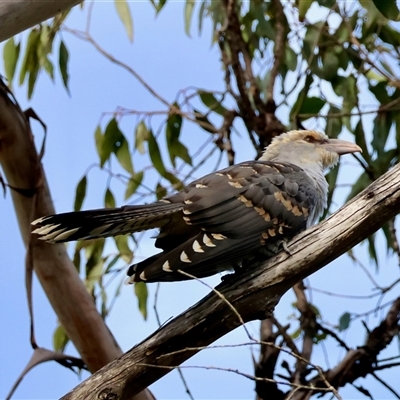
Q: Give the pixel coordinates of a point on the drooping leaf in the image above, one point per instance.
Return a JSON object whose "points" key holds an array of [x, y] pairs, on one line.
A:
{"points": [[177, 183], [10, 57], [331, 178], [203, 121], [30, 64], [121, 150], [189, 7], [382, 125], [124, 14], [101, 150], [311, 105], [114, 142], [388, 9], [94, 276], [158, 5], [303, 6], [142, 295], [134, 182], [109, 200], [160, 191], [211, 102], [155, 154], [80, 193], [63, 58], [334, 124], [344, 321], [60, 339], [360, 140], [123, 247], [300, 98], [175, 147], [141, 135], [372, 249]]}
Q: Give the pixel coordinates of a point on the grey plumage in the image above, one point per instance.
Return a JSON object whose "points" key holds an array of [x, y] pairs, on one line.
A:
{"points": [[225, 219]]}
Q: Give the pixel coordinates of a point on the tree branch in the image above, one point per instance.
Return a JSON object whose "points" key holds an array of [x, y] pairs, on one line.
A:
{"points": [[18, 15], [254, 294]]}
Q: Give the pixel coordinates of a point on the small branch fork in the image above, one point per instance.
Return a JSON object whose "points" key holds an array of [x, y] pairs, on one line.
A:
{"points": [[258, 115]]}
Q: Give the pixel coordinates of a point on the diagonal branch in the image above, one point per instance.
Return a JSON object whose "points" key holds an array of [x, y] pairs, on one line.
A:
{"points": [[254, 294]]}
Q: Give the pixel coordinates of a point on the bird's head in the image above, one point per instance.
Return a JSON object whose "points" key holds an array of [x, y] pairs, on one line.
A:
{"points": [[308, 148]]}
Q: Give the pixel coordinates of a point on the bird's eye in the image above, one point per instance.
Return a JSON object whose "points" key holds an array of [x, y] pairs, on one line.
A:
{"points": [[310, 139]]}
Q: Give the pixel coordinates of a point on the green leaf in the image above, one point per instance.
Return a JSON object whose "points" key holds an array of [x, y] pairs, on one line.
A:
{"points": [[158, 5], [296, 333], [202, 15], [203, 121], [80, 193], [155, 154], [344, 321], [114, 142], [134, 182], [189, 7], [372, 249], [63, 57], [388, 9], [160, 191], [290, 58], [10, 56], [60, 339], [109, 200], [382, 124], [311, 105], [300, 99], [142, 295], [362, 182], [360, 140], [121, 150], [95, 275], [334, 124], [331, 178], [177, 183], [303, 5], [123, 247], [211, 102], [124, 13], [30, 63], [141, 135], [175, 147], [99, 138]]}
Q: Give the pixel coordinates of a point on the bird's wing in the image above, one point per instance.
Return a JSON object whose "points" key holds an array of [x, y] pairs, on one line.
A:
{"points": [[236, 211], [105, 222]]}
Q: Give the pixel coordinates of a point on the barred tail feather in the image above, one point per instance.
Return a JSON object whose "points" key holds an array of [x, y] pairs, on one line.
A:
{"points": [[106, 222]]}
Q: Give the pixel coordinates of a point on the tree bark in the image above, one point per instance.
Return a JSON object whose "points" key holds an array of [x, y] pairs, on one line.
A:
{"points": [[66, 292], [18, 15], [253, 295]]}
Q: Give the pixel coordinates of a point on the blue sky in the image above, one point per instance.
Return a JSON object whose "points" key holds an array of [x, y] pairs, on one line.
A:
{"points": [[168, 60]]}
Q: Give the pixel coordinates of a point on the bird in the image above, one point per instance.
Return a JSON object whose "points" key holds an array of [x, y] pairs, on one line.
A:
{"points": [[225, 220]]}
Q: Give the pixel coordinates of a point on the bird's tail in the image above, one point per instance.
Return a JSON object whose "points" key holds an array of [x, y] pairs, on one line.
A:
{"points": [[104, 222]]}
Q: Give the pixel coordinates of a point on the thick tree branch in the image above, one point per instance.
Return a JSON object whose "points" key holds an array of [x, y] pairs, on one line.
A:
{"points": [[18, 15], [57, 274], [254, 294]]}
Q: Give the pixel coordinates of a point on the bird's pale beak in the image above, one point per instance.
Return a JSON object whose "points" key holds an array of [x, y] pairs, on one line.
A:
{"points": [[342, 147]]}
